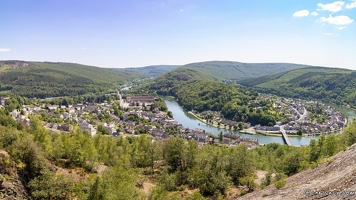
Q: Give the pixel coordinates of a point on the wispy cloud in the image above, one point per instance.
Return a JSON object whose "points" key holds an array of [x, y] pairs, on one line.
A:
{"points": [[4, 50], [301, 13], [338, 20], [332, 7], [332, 34], [314, 13], [340, 27], [351, 5]]}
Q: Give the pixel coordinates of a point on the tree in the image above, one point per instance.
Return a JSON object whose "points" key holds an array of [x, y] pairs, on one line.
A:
{"points": [[314, 151], [41, 135], [176, 154], [292, 162], [115, 183], [170, 114], [300, 133], [240, 163], [56, 187], [240, 125], [28, 152], [249, 182], [101, 128]]}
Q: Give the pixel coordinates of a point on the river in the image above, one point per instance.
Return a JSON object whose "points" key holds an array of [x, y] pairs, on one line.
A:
{"points": [[189, 121]]}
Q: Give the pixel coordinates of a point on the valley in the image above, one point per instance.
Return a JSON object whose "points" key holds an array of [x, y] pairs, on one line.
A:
{"points": [[175, 130]]}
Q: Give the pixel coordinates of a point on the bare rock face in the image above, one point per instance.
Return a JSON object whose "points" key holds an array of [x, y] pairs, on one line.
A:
{"points": [[334, 179], [11, 186]]}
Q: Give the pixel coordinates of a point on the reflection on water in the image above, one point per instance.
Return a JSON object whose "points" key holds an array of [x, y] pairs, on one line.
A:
{"points": [[189, 121]]}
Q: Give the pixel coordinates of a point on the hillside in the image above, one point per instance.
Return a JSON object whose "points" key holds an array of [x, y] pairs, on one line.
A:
{"points": [[45, 79], [332, 85], [227, 70], [337, 174], [153, 70]]}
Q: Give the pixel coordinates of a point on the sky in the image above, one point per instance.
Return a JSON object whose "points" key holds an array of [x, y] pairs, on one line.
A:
{"points": [[135, 33]]}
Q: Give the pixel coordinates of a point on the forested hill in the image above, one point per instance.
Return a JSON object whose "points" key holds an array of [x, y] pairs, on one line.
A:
{"points": [[222, 71], [227, 70], [153, 70], [47, 79], [195, 92], [332, 85]]}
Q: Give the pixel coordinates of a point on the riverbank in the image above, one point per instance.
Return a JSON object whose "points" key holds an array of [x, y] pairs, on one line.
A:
{"points": [[280, 134], [191, 122], [214, 125]]}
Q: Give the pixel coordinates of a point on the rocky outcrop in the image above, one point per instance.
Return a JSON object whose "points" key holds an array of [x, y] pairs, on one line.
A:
{"points": [[11, 186], [334, 179]]}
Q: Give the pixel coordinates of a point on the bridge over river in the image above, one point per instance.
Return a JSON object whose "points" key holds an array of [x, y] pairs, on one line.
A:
{"points": [[189, 121], [285, 136]]}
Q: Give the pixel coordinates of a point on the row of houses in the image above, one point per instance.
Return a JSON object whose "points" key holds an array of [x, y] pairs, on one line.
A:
{"points": [[78, 113]]}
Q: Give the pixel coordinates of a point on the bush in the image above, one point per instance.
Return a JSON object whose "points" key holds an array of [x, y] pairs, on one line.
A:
{"points": [[280, 184]]}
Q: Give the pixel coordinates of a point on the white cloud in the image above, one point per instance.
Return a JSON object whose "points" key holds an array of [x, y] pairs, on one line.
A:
{"points": [[314, 13], [351, 5], [340, 27], [332, 7], [301, 13], [4, 50], [338, 20]]}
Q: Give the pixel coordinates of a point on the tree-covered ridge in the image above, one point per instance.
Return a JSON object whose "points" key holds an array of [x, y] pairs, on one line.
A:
{"points": [[222, 71], [327, 84], [153, 70], [234, 71], [36, 79], [166, 84]]}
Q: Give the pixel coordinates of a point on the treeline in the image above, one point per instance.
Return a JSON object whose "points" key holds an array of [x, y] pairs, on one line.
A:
{"points": [[171, 166]]}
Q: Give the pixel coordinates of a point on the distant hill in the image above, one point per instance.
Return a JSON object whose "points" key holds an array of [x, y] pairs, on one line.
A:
{"points": [[48, 79], [328, 84], [153, 70], [227, 70], [222, 71]]}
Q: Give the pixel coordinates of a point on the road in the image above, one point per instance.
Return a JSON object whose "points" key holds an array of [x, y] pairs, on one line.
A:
{"points": [[301, 116]]}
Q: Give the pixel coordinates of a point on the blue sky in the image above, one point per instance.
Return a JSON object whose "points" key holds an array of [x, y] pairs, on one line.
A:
{"points": [[130, 33]]}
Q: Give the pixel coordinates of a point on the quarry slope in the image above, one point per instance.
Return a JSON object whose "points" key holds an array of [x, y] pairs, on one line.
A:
{"points": [[337, 175]]}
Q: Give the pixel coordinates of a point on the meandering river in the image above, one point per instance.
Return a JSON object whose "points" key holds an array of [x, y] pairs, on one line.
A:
{"points": [[189, 121]]}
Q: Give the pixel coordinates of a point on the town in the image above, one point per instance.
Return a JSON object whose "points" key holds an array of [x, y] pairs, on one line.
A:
{"points": [[303, 118], [139, 116]]}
